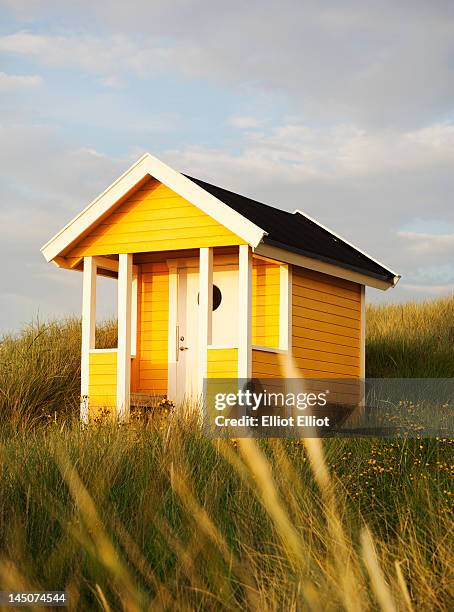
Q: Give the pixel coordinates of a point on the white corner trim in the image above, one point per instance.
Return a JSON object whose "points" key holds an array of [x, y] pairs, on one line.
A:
{"points": [[149, 165], [397, 276], [245, 312]]}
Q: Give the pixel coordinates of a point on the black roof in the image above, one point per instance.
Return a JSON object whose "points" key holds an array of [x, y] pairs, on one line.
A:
{"points": [[296, 232]]}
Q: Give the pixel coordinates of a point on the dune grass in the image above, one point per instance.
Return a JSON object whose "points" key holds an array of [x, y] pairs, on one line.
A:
{"points": [[414, 340], [157, 516]]}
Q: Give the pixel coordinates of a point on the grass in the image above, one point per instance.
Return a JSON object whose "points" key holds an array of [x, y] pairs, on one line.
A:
{"points": [[412, 340], [156, 516]]}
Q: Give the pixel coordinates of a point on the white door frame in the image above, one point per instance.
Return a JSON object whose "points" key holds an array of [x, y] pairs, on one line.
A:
{"points": [[174, 265]]}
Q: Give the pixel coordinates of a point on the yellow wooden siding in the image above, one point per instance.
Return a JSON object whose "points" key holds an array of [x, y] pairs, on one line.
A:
{"points": [[266, 364], [154, 218], [222, 363], [154, 319], [326, 325], [265, 303], [102, 386]]}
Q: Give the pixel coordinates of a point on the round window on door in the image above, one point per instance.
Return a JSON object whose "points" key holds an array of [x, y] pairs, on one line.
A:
{"points": [[217, 297]]}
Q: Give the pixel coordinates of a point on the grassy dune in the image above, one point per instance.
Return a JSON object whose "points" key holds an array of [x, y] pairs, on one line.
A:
{"points": [[414, 340], [156, 516]]}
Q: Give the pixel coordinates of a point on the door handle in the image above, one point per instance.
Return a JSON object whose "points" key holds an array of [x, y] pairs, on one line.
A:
{"points": [[183, 348]]}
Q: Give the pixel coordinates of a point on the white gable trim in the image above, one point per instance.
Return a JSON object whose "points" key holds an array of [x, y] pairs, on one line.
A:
{"points": [[147, 164]]}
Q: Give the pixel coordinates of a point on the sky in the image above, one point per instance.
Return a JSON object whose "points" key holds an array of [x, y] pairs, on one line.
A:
{"points": [[342, 110]]}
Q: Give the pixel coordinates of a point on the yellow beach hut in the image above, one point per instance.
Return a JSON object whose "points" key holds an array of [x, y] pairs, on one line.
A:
{"points": [[210, 284]]}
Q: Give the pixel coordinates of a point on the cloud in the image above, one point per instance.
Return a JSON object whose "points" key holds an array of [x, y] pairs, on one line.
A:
{"points": [[433, 244], [107, 57], [429, 290], [301, 152], [15, 82], [381, 64], [244, 123]]}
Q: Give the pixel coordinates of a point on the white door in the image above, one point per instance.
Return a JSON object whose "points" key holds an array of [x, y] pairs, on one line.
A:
{"points": [[224, 323]]}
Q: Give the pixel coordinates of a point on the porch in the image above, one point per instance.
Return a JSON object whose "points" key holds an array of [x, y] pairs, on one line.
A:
{"points": [[173, 333]]}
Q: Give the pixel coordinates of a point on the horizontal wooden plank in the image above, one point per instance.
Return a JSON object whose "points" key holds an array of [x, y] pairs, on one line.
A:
{"points": [[301, 314], [330, 298], [349, 313], [175, 225], [155, 373], [315, 365], [156, 370], [153, 359], [221, 367], [148, 340], [330, 347], [152, 316], [222, 372], [156, 301], [268, 309], [215, 354], [154, 213], [264, 370], [106, 358], [265, 321], [265, 292], [149, 235], [103, 379], [351, 292], [327, 356], [264, 340], [325, 332], [102, 368], [154, 283], [316, 276], [101, 387], [265, 356]]}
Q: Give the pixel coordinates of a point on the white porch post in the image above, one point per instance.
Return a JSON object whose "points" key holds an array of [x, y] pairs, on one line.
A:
{"points": [[88, 331], [205, 310], [124, 336], [245, 312]]}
